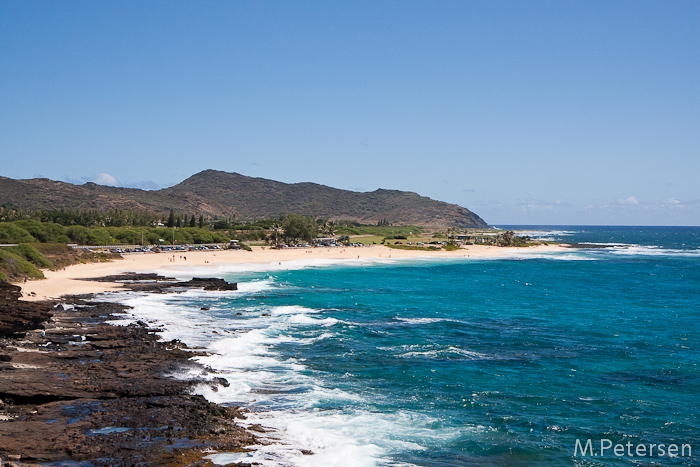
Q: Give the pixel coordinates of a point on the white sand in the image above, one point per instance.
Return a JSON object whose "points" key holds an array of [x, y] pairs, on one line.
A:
{"points": [[67, 281]]}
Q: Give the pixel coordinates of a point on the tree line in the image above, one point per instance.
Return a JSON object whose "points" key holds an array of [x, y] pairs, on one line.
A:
{"points": [[92, 227]]}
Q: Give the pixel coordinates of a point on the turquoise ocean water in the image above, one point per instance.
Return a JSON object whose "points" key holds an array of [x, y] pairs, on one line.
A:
{"points": [[460, 362]]}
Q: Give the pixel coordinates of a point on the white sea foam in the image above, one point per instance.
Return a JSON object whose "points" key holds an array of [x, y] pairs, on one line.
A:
{"points": [[546, 235], [410, 351], [553, 256], [283, 393], [653, 251], [291, 310], [303, 319], [449, 352], [423, 320]]}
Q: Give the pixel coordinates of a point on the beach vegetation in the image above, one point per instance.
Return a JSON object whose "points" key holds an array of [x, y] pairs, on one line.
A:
{"points": [[297, 227], [410, 247], [12, 233], [89, 236], [31, 254], [61, 255], [43, 231], [123, 227], [509, 238], [326, 228], [15, 267], [24, 260], [222, 224]]}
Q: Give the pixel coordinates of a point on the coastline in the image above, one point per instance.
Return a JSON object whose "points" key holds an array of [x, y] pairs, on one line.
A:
{"points": [[48, 390], [68, 281], [75, 388]]}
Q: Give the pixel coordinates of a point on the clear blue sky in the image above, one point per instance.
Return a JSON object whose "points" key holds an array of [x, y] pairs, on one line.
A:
{"points": [[537, 112]]}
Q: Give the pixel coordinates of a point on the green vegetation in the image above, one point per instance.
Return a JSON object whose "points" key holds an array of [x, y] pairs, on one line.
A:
{"points": [[413, 247], [11, 233], [61, 255], [100, 229], [508, 238], [15, 267], [31, 254], [388, 231], [84, 217], [43, 232], [29, 231], [297, 227], [24, 260]]}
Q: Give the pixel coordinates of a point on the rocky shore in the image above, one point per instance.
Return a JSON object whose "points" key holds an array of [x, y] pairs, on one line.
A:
{"points": [[75, 389]]}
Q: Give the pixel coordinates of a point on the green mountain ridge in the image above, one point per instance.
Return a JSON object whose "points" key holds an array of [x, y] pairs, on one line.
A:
{"points": [[217, 193]]}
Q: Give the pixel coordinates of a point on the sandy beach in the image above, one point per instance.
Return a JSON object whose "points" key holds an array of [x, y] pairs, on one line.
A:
{"points": [[68, 281]]}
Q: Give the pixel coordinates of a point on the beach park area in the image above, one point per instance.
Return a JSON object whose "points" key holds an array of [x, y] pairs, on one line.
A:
{"points": [[68, 281]]}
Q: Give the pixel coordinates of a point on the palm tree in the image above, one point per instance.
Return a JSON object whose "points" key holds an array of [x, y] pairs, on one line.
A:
{"points": [[277, 229], [327, 228]]}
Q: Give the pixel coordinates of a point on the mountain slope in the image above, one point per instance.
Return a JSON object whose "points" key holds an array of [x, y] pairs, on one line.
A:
{"points": [[258, 197], [218, 193]]}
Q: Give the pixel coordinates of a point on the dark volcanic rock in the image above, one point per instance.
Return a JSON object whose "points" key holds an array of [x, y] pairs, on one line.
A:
{"points": [[17, 317], [160, 284], [83, 390], [209, 283]]}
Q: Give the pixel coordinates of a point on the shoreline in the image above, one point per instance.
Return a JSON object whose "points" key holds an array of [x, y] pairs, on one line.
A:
{"points": [[75, 388], [128, 397], [68, 281]]}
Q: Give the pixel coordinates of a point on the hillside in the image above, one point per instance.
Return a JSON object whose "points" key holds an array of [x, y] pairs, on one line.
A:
{"points": [[216, 193]]}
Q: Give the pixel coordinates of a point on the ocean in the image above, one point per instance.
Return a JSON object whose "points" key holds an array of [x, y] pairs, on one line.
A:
{"points": [[584, 357]]}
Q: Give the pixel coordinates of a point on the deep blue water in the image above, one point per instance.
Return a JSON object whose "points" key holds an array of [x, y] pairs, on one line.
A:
{"points": [[466, 362]]}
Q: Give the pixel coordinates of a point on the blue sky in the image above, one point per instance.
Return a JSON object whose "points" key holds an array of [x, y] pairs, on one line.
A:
{"points": [[541, 112]]}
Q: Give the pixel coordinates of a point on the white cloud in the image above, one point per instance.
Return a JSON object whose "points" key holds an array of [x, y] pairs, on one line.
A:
{"points": [[532, 204], [103, 178], [631, 200], [671, 203]]}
